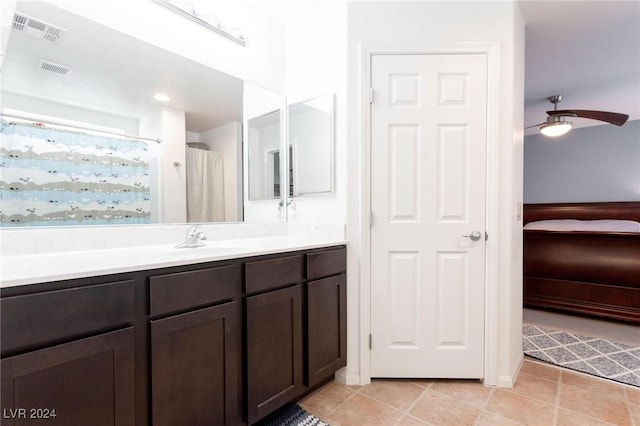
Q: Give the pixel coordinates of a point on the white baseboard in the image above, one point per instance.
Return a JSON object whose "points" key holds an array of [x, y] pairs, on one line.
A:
{"points": [[347, 378], [507, 381]]}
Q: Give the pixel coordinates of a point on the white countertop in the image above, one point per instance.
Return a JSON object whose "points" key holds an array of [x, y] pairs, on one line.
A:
{"points": [[44, 267]]}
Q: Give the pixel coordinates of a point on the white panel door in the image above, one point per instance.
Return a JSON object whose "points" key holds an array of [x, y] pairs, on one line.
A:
{"points": [[428, 172]]}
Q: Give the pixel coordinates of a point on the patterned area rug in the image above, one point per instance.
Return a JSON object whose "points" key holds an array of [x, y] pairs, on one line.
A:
{"points": [[291, 415], [592, 355]]}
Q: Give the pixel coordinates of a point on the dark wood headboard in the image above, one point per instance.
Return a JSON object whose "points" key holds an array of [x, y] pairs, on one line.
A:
{"points": [[624, 210]]}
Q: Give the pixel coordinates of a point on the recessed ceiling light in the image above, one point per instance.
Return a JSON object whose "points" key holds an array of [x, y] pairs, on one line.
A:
{"points": [[161, 97]]}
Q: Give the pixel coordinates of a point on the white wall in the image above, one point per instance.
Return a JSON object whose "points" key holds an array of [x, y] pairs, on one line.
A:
{"points": [[509, 309], [410, 23], [317, 65], [590, 164], [227, 140]]}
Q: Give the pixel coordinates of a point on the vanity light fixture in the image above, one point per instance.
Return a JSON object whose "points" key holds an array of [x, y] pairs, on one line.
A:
{"points": [[210, 23], [161, 97]]}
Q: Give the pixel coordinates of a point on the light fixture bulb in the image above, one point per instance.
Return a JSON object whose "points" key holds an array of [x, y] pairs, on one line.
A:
{"points": [[556, 127], [161, 97]]}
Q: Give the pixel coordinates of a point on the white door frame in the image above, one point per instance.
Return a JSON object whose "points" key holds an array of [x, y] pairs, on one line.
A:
{"points": [[491, 50]]}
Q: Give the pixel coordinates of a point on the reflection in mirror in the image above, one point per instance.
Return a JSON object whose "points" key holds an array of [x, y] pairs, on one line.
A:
{"points": [[311, 146], [109, 85], [264, 156], [264, 162]]}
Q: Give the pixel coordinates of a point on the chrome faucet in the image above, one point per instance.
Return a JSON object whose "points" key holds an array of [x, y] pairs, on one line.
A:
{"points": [[193, 238]]}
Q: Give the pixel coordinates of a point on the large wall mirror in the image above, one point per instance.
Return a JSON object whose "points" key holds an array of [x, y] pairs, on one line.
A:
{"points": [[96, 78]]}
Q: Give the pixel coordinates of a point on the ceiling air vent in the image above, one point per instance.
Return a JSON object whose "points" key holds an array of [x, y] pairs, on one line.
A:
{"points": [[36, 28], [54, 68]]}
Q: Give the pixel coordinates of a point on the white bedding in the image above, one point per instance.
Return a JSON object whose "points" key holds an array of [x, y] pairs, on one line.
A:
{"points": [[603, 225]]}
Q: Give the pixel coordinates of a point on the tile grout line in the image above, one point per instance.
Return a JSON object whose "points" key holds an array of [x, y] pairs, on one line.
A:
{"points": [[331, 411], [364, 395], [583, 414], [485, 405], [558, 390], [350, 397], [407, 411], [635, 421]]}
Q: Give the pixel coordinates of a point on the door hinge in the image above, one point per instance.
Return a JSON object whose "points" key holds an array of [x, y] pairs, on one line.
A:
{"points": [[370, 342], [370, 95]]}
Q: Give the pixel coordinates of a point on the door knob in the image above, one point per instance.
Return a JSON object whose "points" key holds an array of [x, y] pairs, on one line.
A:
{"points": [[474, 236]]}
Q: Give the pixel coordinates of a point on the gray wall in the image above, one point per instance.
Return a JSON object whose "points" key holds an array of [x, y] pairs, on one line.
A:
{"points": [[599, 163]]}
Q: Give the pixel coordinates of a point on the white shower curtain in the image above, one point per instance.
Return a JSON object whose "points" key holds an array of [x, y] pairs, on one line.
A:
{"points": [[205, 186]]}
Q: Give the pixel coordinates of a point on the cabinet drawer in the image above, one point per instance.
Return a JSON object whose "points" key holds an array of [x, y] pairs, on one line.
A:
{"points": [[184, 290], [271, 273], [325, 263], [38, 318]]}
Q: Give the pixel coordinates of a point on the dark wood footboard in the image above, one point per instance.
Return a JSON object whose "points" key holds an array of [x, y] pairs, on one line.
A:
{"points": [[583, 272], [591, 273]]}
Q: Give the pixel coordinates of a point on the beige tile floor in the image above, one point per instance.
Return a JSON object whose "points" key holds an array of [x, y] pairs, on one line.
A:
{"points": [[542, 395]]}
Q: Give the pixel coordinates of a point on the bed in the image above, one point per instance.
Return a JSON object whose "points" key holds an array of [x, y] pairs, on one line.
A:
{"points": [[588, 272]]}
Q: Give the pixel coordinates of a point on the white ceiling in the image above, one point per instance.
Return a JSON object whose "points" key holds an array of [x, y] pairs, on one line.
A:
{"points": [[587, 50]]}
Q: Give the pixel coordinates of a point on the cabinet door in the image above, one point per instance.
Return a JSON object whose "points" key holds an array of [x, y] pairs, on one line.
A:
{"points": [[326, 327], [85, 382], [274, 350], [195, 367]]}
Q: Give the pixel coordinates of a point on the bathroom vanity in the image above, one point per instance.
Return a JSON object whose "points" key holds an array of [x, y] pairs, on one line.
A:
{"points": [[224, 341]]}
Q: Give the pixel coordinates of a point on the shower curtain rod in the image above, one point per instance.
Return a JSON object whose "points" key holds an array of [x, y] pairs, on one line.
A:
{"points": [[35, 120]]}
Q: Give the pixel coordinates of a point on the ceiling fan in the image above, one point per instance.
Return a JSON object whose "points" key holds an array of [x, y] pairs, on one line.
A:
{"points": [[557, 125]]}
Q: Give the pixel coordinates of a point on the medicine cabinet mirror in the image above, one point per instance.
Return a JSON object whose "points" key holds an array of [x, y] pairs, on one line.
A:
{"points": [[311, 140], [265, 159]]}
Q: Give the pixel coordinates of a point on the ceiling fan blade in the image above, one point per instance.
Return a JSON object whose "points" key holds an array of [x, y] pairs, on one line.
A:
{"points": [[607, 117], [535, 125]]}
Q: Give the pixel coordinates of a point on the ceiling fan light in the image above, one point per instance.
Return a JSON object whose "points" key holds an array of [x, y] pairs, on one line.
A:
{"points": [[555, 128]]}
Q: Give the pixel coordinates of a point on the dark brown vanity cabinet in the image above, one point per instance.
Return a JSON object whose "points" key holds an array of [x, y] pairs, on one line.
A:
{"points": [[195, 355], [326, 314], [296, 334], [60, 365], [274, 333], [215, 343]]}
